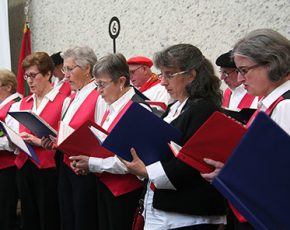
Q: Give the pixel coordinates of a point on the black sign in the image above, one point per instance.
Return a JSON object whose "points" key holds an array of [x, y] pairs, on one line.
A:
{"points": [[114, 30]]}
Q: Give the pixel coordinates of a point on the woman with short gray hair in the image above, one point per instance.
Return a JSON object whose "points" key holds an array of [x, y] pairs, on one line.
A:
{"points": [[78, 205], [118, 191], [262, 58]]}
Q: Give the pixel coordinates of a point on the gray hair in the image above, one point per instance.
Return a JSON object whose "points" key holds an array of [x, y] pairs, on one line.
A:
{"points": [[114, 65], [82, 55], [8, 78], [266, 47]]}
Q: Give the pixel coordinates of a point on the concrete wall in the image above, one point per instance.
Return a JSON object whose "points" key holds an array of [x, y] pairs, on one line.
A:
{"points": [[148, 26]]}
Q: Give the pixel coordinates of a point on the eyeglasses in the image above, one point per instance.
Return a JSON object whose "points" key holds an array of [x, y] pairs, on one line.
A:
{"points": [[32, 76], [227, 74], [134, 70], [68, 70], [102, 84], [243, 70], [169, 76]]}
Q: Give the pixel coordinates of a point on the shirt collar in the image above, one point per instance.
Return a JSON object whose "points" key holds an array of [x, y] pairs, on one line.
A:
{"points": [[238, 90], [267, 101], [50, 95], [119, 104], [177, 106], [10, 98], [87, 88]]}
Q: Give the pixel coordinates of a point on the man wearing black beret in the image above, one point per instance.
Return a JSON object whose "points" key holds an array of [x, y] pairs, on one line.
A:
{"points": [[235, 96]]}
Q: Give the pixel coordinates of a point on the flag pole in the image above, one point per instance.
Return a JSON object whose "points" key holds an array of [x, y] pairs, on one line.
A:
{"points": [[25, 50]]}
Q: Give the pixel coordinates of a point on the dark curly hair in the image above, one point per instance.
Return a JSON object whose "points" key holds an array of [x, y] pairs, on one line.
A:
{"points": [[187, 57]]}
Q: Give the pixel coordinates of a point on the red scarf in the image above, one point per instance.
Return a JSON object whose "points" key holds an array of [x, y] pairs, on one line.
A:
{"points": [[153, 80]]}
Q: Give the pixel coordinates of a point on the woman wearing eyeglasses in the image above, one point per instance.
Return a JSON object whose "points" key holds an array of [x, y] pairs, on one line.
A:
{"points": [[262, 58], [118, 191], [235, 96], [77, 193], [38, 181], [177, 196]]}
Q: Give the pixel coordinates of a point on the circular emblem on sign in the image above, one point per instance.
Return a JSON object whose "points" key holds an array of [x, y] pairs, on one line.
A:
{"points": [[114, 27]]}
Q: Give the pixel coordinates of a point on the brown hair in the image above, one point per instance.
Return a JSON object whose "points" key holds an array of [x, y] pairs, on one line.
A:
{"points": [[42, 60]]}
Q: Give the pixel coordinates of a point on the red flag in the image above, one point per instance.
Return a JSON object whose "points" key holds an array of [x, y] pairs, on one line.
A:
{"points": [[25, 50]]}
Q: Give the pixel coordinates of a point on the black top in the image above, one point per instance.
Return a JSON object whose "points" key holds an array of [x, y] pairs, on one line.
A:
{"points": [[194, 195]]}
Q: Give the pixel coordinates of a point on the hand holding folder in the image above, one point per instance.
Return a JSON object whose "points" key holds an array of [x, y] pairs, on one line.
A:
{"points": [[34, 123], [17, 140], [144, 131], [215, 139], [81, 141], [256, 177]]}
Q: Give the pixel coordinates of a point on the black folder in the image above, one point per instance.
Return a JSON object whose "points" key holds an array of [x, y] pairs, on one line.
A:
{"points": [[242, 115], [34, 123]]}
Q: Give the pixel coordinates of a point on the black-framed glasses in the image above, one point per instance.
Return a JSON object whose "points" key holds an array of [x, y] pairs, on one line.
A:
{"points": [[102, 84], [68, 70], [169, 76], [32, 76], [134, 70], [243, 70], [227, 74]]}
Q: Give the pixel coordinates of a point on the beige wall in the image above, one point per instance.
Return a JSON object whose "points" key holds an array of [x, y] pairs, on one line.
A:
{"points": [[148, 26]]}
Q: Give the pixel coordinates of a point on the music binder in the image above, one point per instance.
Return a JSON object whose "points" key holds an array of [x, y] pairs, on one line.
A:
{"points": [[140, 94], [215, 139], [144, 131], [256, 177], [81, 141], [34, 123], [242, 115], [17, 140], [157, 104]]}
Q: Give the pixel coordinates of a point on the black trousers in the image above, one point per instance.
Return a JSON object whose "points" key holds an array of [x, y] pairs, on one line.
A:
{"points": [[8, 198], [39, 201], [78, 200], [116, 213]]}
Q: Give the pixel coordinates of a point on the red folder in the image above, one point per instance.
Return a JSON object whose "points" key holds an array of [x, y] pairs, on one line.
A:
{"points": [[215, 139], [83, 142]]}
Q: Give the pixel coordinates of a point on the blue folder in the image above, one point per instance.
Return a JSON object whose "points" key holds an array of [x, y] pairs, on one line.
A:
{"points": [[256, 177], [34, 123], [144, 131]]}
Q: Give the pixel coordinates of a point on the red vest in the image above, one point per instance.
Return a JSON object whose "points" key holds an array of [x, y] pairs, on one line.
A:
{"points": [[52, 115], [6, 158], [85, 112], [65, 89], [150, 83], [271, 107], [246, 101], [120, 184]]}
